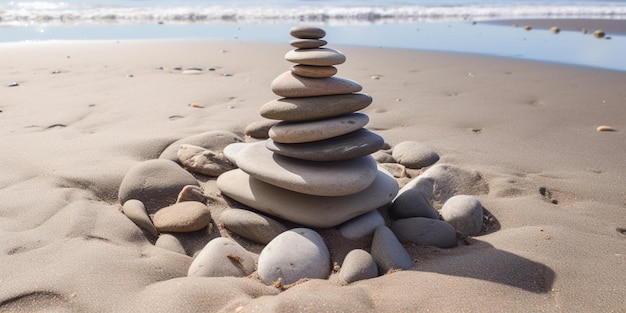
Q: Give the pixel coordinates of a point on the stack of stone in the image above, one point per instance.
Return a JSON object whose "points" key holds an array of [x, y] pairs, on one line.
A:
{"points": [[316, 169]]}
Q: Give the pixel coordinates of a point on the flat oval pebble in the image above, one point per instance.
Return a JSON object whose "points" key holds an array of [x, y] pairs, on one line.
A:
{"points": [[362, 226], [203, 161], [291, 85], [337, 178], [307, 210], [358, 265], [314, 71], [464, 213], [222, 257], [156, 183], [259, 129], [307, 32], [214, 140], [345, 147], [231, 151], [412, 203], [136, 212], [308, 43], [312, 108], [182, 217], [293, 255], [171, 243], [413, 154], [388, 252], [252, 226], [299, 132], [315, 56], [425, 231]]}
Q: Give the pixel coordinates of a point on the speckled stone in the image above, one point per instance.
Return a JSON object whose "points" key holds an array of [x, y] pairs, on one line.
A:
{"points": [[349, 146], [307, 43], [315, 56], [292, 132], [312, 108], [291, 85], [337, 178], [307, 32]]}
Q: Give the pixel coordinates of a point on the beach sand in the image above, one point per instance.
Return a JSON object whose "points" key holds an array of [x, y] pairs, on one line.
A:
{"points": [[83, 113]]}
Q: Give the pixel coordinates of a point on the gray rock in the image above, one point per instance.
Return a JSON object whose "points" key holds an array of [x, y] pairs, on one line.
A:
{"points": [[307, 43], [395, 169], [203, 161], [182, 217], [312, 108], [356, 144], [307, 210], [413, 154], [136, 212], [252, 226], [307, 131], [316, 56], [191, 193], [358, 265], [155, 183], [222, 257], [171, 243], [425, 231], [259, 129], [314, 71], [338, 178], [383, 157], [214, 140], [412, 203], [464, 213], [362, 226], [295, 254], [307, 32], [231, 151], [291, 85], [388, 252]]}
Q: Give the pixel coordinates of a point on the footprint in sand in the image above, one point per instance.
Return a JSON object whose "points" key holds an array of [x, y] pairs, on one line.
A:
{"points": [[547, 194]]}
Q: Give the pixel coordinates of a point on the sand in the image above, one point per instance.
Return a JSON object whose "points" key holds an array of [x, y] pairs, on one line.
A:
{"points": [[84, 113]]}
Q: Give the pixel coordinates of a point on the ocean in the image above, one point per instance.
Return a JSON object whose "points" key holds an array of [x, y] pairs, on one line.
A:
{"points": [[446, 25]]}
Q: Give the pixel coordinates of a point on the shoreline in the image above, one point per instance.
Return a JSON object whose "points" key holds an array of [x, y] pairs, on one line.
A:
{"points": [[83, 113]]}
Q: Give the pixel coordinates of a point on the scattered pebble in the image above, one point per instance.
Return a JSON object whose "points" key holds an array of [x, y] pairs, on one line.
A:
{"points": [[413, 154], [358, 265], [605, 128], [527, 27], [222, 257], [555, 30], [464, 213], [171, 243], [255, 227], [203, 161], [13, 84], [182, 217], [599, 34], [136, 212], [196, 105], [388, 252], [376, 77]]}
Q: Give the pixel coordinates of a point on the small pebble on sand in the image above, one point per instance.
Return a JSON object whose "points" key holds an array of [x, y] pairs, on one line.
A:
{"points": [[555, 30], [599, 34], [527, 27], [605, 128]]}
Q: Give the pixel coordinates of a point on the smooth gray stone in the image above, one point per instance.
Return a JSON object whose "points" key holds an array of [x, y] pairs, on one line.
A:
{"points": [[464, 213], [358, 265], [425, 231], [362, 226], [316, 56], [338, 178], [414, 154], [214, 140], [231, 151], [252, 226], [136, 212], [222, 257], [259, 129], [307, 32], [412, 203], [312, 108], [299, 132], [388, 252], [156, 183], [308, 43], [293, 255], [171, 243], [383, 157], [291, 85], [182, 217], [307, 210], [345, 147], [314, 71]]}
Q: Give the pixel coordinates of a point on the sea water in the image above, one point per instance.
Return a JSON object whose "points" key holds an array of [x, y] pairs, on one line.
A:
{"points": [[444, 25]]}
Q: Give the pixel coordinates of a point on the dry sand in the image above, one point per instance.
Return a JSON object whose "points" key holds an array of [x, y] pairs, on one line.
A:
{"points": [[556, 184]]}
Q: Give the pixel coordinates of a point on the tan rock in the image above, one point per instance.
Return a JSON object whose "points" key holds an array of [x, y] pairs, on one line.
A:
{"points": [[182, 217], [203, 161]]}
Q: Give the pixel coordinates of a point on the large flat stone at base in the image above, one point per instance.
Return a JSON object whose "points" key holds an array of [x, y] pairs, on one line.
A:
{"points": [[337, 178], [312, 108], [307, 210], [353, 145]]}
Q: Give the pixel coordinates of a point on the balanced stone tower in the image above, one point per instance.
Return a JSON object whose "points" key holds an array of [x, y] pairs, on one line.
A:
{"points": [[316, 169]]}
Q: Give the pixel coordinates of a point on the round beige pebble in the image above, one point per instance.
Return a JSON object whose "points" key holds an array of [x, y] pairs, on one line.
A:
{"points": [[182, 217]]}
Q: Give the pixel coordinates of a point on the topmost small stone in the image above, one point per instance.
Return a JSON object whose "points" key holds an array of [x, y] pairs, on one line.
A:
{"points": [[307, 32]]}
